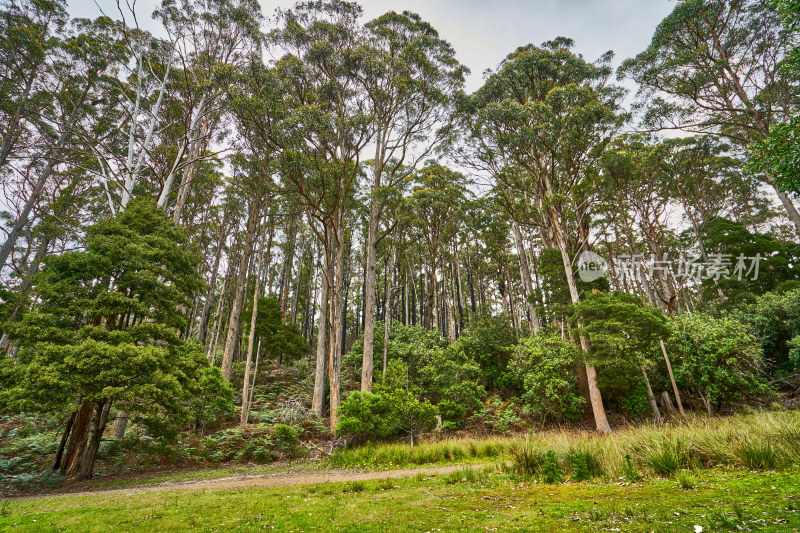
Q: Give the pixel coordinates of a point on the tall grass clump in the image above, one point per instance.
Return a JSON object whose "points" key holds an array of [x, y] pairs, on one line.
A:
{"points": [[583, 463], [445, 451], [526, 459], [756, 441], [665, 456], [466, 475], [757, 455]]}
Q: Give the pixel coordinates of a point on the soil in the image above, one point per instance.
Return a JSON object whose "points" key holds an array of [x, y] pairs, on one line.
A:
{"points": [[272, 479]]}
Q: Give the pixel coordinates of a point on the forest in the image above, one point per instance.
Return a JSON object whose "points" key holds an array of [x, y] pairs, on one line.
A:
{"points": [[248, 237]]}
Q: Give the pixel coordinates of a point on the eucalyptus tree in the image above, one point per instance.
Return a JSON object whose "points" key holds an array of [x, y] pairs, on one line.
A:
{"points": [[434, 209], [211, 38], [409, 75], [325, 130], [552, 112], [81, 70], [715, 66], [779, 155], [29, 32]]}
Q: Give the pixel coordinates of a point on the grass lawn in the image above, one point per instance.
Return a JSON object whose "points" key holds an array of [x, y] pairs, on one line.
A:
{"points": [[720, 500]]}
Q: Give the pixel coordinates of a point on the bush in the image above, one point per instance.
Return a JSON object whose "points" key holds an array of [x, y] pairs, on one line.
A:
{"points": [[366, 416], [545, 366], [286, 435], [214, 400], [551, 469], [716, 357]]}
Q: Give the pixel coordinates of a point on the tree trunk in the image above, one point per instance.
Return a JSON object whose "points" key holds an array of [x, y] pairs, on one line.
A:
{"points": [[241, 281], [212, 285], [90, 453], [671, 376], [591, 375], [335, 355], [63, 443], [525, 274], [318, 399], [77, 440], [651, 397], [788, 205], [251, 340]]}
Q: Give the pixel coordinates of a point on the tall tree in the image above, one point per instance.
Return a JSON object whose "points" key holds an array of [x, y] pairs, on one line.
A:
{"points": [[714, 66]]}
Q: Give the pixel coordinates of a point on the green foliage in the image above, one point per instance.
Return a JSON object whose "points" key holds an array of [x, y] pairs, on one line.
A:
{"points": [[282, 341], [716, 357], [489, 341], [778, 268], [630, 473], [105, 326], [779, 154], [775, 318], [366, 416], [545, 366], [757, 455], [213, 400], [252, 443], [552, 472], [583, 464], [666, 456], [450, 378], [496, 415], [621, 328]]}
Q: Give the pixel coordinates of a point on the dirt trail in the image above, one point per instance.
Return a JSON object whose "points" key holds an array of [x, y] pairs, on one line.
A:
{"points": [[273, 479]]}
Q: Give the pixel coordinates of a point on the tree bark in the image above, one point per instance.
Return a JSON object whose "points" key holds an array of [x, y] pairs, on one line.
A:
{"points": [[90, 454], [525, 274], [77, 440], [595, 396], [250, 340], [235, 317], [651, 397], [212, 286], [671, 376], [318, 399]]}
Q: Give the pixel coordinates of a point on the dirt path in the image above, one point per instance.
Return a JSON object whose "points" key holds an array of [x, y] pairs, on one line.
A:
{"points": [[273, 479]]}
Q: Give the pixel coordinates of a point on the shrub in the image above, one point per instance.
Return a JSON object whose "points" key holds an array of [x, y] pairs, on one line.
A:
{"points": [[286, 435], [545, 366], [364, 416], [717, 357], [551, 469]]}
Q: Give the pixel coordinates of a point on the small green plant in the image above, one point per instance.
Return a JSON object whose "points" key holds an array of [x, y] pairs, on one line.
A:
{"points": [[286, 435], [551, 469], [723, 520], [386, 484], [685, 480], [583, 464], [354, 486], [631, 474]]}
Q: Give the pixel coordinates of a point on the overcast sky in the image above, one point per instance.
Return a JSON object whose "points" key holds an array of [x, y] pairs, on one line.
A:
{"points": [[483, 32]]}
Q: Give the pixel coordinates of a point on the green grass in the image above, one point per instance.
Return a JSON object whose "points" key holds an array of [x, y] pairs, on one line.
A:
{"points": [[722, 500], [759, 441]]}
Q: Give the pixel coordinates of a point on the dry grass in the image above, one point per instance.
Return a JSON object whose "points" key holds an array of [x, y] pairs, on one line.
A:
{"points": [[758, 441]]}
